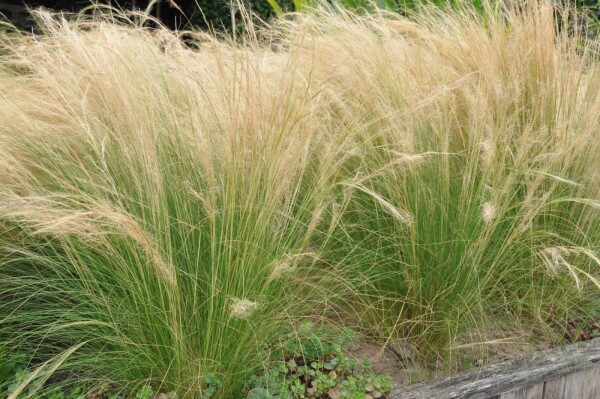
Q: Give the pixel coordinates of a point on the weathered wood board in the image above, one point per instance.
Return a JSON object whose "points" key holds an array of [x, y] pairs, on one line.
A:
{"points": [[533, 392], [583, 384], [571, 372]]}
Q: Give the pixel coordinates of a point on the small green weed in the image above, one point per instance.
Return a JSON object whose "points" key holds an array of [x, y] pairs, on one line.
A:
{"points": [[316, 367]]}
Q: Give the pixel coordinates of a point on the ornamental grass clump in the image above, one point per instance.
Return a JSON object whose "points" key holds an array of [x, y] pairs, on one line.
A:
{"points": [[472, 195], [149, 195], [172, 205]]}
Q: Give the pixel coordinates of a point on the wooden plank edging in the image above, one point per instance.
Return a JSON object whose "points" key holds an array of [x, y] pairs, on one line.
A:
{"points": [[496, 379]]}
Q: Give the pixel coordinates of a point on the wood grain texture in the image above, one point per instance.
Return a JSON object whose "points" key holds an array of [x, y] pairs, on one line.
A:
{"points": [[555, 389], [498, 379], [584, 384], [592, 385], [532, 392]]}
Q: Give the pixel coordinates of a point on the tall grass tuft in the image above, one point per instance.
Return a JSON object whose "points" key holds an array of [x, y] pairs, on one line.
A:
{"points": [[157, 204], [472, 194], [167, 211]]}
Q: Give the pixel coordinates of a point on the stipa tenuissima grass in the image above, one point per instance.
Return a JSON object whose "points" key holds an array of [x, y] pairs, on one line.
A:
{"points": [[167, 211]]}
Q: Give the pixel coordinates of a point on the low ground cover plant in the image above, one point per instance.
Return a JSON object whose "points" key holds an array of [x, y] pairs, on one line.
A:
{"points": [[313, 365], [169, 213]]}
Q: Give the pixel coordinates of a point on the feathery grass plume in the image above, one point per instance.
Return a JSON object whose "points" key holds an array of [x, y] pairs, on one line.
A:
{"points": [[555, 258], [243, 308], [488, 212]]}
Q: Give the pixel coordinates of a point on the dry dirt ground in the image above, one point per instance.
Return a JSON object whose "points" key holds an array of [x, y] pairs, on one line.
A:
{"points": [[470, 351]]}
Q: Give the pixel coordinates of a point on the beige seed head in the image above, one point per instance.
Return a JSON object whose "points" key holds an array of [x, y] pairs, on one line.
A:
{"points": [[488, 151], [488, 212], [556, 259], [242, 308], [280, 268]]}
